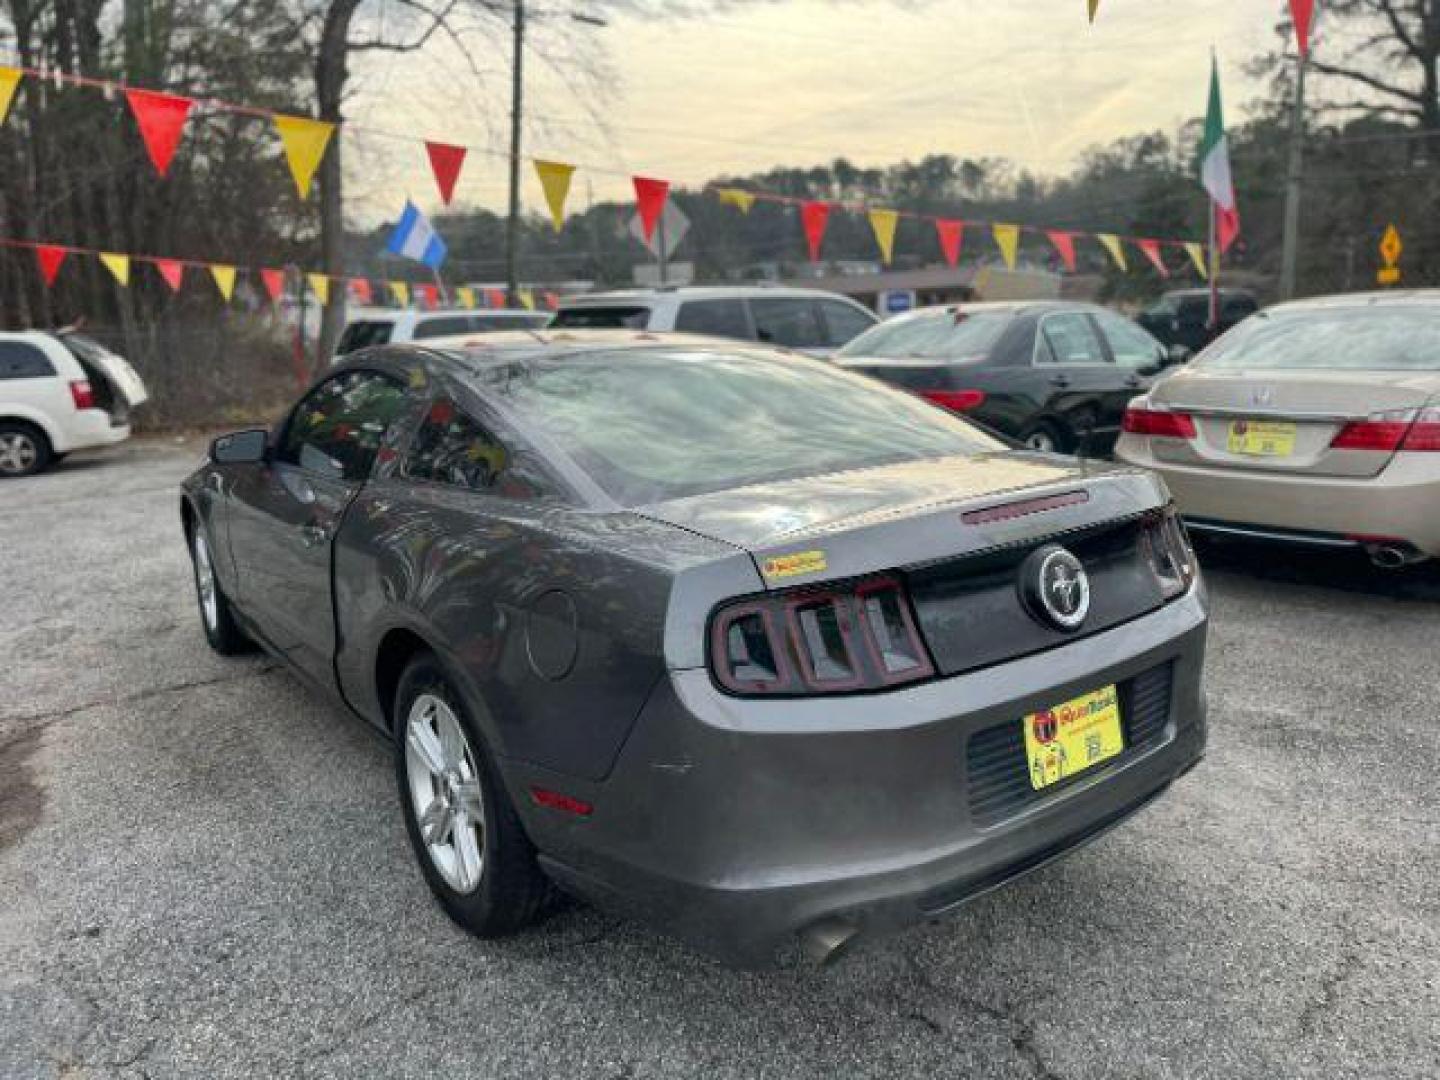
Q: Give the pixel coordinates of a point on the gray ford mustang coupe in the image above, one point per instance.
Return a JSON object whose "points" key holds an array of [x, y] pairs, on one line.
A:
{"points": [[759, 650]]}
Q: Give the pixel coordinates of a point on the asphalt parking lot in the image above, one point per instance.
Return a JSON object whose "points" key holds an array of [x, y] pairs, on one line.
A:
{"points": [[203, 870]]}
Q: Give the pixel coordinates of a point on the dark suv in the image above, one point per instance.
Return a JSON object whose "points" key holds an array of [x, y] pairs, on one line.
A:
{"points": [[1182, 317]]}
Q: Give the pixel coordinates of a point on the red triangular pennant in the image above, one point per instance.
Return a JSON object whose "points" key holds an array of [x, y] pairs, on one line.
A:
{"points": [[814, 216], [1302, 13], [445, 162], [951, 234], [495, 298], [1065, 244], [274, 282], [650, 198], [172, 271], [161, 119], [360, 289], [1151, 248], [552, 300], [50, 257], [429, 296]]}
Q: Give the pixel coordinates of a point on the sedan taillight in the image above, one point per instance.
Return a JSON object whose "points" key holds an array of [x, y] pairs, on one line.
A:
{"points": [[82, 394], [955, 400], [1170, 425], [1424, 434], [854, 637], [1386, 432]]}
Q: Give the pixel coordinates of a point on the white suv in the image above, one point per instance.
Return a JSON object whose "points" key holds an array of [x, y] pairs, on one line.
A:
{"points": [[389, 326], [60, 392], [808, 320]]}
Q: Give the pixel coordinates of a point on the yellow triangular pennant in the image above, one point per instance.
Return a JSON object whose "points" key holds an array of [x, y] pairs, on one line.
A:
{"points": [[555, 179], [118, 265], [1115, 247], [1197, 256], [527, 298], [401, 292], [741, 200], [9, 80], [320, 286], [883, 222], [305, 141], [1007, 238], [466, 296], [224, 279]]}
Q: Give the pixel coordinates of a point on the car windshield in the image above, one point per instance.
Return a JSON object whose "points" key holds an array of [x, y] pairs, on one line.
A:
{"points": [[1368, 338], [657, 424], [937, 335]]}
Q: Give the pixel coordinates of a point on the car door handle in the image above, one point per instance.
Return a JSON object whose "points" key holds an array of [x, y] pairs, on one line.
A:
{"points": [[313, 535], [1134, 381], [1059, 380]]}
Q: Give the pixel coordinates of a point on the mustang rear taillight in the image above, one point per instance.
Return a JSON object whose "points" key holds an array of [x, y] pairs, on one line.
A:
{"points": [[81, 394], [860, 636], [955, 400], [1169, 553], [1170, 425]]}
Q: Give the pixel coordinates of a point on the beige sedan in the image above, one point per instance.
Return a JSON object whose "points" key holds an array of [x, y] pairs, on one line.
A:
{"points": [[1315, 422]]}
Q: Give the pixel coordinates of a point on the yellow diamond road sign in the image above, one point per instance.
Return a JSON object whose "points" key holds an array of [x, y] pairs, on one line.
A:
{"points": [[1390, 247]]}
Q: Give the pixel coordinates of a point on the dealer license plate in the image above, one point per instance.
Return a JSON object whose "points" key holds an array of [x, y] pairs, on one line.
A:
{"points": [[1262, 438], [1072, 737]]}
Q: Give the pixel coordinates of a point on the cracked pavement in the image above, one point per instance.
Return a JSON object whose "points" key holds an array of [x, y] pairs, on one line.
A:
{"points": [[203, 871]]}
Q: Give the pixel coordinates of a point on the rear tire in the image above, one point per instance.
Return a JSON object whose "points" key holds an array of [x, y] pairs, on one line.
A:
{"points": [[472, 849], [216, 617], [1045, 438], [24, 449]]}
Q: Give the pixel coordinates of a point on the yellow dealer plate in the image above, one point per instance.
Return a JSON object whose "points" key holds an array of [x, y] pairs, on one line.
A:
{"points": [[1262, 438], [1072, 737]]}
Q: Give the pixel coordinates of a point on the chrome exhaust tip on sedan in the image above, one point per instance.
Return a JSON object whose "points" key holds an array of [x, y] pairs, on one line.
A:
{"points": [[827, 941], [1394, 556]]}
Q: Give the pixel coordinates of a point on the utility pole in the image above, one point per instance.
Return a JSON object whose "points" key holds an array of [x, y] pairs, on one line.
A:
{"points": [[512, 224], [1290, 252], [660, 246]]}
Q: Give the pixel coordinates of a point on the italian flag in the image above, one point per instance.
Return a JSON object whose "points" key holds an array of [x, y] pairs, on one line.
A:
{"points": [[1215, 167]]}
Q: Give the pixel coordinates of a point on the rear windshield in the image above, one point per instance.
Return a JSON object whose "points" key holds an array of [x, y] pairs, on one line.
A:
{"points": [[941, 335], [363, 334], [1371, 338], [656, 424], [620, 317], [515, 320]]}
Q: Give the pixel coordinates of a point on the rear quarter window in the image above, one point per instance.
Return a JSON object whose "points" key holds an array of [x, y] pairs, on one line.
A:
{"points": [[718, 318], [444, 327], [626, 317], [19, 360]]}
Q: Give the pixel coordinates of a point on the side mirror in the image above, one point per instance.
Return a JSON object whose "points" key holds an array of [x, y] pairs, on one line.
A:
{"points": [[1176, 355], [241, 447]]}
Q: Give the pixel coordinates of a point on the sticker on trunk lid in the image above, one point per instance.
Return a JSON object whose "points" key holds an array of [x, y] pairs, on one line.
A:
{"points": [[794, 564]]}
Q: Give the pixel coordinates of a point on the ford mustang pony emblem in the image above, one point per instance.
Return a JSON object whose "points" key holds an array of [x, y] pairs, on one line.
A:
{"points": [[1055, 587]]}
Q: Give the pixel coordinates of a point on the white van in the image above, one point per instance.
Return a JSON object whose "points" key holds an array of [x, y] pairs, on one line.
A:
{"points": [[387, 326], [60, 392]]}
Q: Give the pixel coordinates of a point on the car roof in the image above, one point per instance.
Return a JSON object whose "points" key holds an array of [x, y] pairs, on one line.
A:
{"points": [[507, 346], [1199, 294], [379, 314], [1395, 298], [696, 292], [1018, 307]]}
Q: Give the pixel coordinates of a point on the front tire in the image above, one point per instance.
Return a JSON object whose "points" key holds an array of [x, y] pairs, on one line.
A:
{"points": [[24, 449], [1045, 438], [467, 838], [216, 617]]}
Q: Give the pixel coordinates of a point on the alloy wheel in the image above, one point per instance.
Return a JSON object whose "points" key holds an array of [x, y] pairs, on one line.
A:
{"points": [[1042, 441], [17, 452], [445, 792], [205, 583]]}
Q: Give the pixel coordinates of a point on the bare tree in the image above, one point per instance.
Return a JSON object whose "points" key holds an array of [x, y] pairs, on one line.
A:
{"points": [[1386, 53]]}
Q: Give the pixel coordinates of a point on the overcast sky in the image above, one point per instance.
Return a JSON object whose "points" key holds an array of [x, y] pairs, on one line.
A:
{"points": [[760, 84]]}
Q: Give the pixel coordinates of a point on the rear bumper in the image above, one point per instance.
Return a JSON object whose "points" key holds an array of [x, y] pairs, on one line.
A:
{"points": [[1399, 503], [738, 824], [90, 428]]}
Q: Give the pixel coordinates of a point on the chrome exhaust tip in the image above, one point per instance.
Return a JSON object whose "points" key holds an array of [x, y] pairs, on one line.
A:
{"points": [[826, 941], [1393, 556]]}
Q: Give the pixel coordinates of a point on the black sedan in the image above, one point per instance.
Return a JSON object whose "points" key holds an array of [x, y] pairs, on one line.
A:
{"points": [[757, 649], [1054, 376]]}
